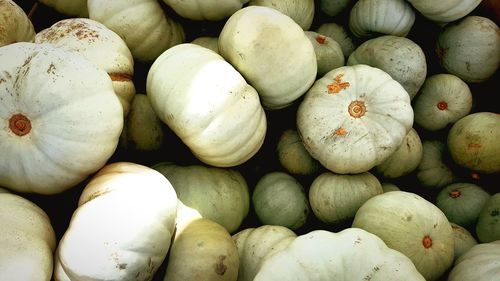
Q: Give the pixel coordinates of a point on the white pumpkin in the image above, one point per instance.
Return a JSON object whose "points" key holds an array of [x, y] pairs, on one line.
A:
{"points": [[272, 52], [399, 56], [354, 118], [473, 142], [405, 159], [219, 194], [442, 100], [15, 26], [72, 8], [463, 240], [254, 244], [122, 227], [301, 11], [432, 171], [142, 24], [61, 119], [393, 17], [328, 52], [280, 199], [480, 263], [98, 44], [445, 10], [27, 240], [212, 10], [470, 48], [338, 33], [412, 225], [351, 254], [336, 198], [209, 105]]}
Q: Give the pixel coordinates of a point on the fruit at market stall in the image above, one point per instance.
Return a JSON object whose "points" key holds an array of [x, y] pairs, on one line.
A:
{"points": [[62, 119]]}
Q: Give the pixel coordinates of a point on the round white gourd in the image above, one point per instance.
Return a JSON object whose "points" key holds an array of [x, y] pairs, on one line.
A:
{"points": [[480, 263], [444, 10]]}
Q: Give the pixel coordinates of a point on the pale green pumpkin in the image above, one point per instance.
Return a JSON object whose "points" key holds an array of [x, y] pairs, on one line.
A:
{"points": [[338, 33], [432, 170], [293, 156], [480, 263], [301, 11], [463, 240], [488, 221], [328, 52]]}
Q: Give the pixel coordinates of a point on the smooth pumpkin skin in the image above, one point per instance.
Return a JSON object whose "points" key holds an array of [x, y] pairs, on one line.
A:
{"points": [[301, 11], [442, 100], [336, 198], [470, 48], [153, 31], [260, 42], [219, 194], [473, 142], [293, 156], [446, 10], [280, 199], [393, 17], [405, 159], [328, 52], [432, 171], [254, 244], [412, 225], [27, 240], [351, 254], [61, 118], [209, 42], [122, 227], [211, 10], [338, 33], [399, 56], [353, 118], [463, 240], [462, 202], [15, 26], [210, 107], [202, 250], [101, 46], [480, 263], [488, 221]]}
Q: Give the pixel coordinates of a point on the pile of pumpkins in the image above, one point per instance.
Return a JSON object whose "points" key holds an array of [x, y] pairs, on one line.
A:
{"points": [[249, 140]]}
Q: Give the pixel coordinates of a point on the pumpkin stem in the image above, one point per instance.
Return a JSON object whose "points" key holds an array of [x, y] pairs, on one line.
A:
{"points": [[442, 105], [455, 194], [357, 109], [427, 241], [19, 124], [321, 39]]}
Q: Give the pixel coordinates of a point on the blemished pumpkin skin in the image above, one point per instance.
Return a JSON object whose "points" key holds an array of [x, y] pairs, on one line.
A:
{"points": [[219, 194], [122, 227], [211, 108], [259, 42], [211, 10], [143, 129], [336, 198], [202, 250], [15, 26], [254, 244], [480, 263], [153, 31], [72, 8], [442, 100], [98, 44], [408, 223], [338, 33], [399, 56], [27, 240], [405, 159], [353, 118], [446, 10], [463, 240], [280, 199], [470, 48], [473, 142], [54, 104], [301, 11], [293, 156], [488, 221], [328, 52], [393, 17], [351, 254], [432, 171], [462, 202]]}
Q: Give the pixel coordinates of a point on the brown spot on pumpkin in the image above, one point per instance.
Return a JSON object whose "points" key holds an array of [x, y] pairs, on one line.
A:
{"points": [[473, 145], [340, 132], [454, 194], [442, 105], [19, 124], [122, 266], [441, 52], [321, 39], [51, 69], [495, 212], [427, 242], [120, 77], [337, 85], [220, 267]]}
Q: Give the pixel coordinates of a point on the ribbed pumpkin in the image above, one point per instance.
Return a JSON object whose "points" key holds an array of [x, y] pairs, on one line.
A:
{"points": [[301, 11], [444, 10], [212, 10], [480, 263], [432, 170]]}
